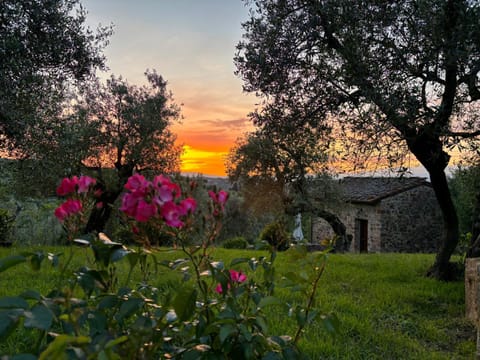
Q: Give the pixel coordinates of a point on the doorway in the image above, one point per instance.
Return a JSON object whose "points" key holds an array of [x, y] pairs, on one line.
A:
{"points": [[361, 234]]}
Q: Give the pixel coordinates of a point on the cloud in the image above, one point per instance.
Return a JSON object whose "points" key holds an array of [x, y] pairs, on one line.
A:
{"points": [[227, 124]]}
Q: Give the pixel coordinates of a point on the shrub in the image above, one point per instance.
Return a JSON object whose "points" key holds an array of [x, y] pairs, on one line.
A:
{"points": [[276, 235], [238, 242], [215, 311]]}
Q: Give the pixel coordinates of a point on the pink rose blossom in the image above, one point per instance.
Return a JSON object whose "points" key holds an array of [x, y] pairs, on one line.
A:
{"points": [[144, 211], [72, 206], [188, 205], [235, 277], [60, 213], [219, 289], [213, 196], [219, 198], [69, 207], [171, 214], [136, 182], [84, 183], [67, 186], [144, 200], [129, 204], [165, 189], [222, 197]]}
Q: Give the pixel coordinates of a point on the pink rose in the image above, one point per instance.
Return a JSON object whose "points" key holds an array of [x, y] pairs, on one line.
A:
{"points": [[84, 183], [188, 205], [69, 207], [67, 186], [144, 211], [171, 214], [235, 277], [222, 197], [136, 182]]}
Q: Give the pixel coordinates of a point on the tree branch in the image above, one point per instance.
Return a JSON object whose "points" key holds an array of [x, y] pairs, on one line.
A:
{"points": [[464, 134]]}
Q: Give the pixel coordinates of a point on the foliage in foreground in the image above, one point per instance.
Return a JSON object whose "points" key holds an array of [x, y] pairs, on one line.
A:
{"points": [[215, 311], [387, 309]]}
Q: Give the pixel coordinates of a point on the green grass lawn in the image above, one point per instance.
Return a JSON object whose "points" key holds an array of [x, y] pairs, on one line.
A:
{"points": [[386, 306]]}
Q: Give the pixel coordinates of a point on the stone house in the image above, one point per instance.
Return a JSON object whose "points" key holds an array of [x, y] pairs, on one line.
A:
{"points": [[384, 214]]}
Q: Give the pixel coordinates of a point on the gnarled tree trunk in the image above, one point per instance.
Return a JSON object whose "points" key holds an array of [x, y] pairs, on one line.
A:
{"points": [[427, 148], [101, 214]]}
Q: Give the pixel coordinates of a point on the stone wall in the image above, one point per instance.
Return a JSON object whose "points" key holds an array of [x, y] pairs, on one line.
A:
{"points": [[349, 215], [410, 221]]}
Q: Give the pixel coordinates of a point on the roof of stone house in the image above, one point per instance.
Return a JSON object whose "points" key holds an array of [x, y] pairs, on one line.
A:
{"points": [[371, 190]]}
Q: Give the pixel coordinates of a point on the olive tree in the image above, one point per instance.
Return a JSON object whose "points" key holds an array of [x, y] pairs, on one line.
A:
{"points": [[45, 49], [110, 131], [275, 163], [392, 74]]}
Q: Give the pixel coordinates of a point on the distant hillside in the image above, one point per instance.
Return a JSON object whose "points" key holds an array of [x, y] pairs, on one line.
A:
{"points": [[222, 183]]}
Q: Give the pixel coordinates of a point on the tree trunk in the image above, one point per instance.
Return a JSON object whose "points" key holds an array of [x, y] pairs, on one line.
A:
{"points": [[442, 269], [428, 149], [100, 215]]}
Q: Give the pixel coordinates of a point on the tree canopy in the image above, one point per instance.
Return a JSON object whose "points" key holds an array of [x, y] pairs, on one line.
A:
{"points": [[132, 134], [45, 47], [396, 74]]}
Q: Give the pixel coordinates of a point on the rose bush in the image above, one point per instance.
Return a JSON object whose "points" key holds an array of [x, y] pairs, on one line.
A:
{"points": [[216, 312]]}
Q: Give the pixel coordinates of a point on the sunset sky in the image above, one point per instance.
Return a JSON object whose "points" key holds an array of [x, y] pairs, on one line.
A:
{"points": [[191, 43]]}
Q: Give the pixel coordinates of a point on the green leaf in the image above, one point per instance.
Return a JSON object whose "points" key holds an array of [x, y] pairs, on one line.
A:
{"points": [[57, 347], [97, 323], [217, 265], [40, 317], [116, 341], [226, 331], [118, 254], [253, 263], [36, 260], [177, 263], [300, 315], [294, 277], [239, 261], [311, 316], [269, 300], [53, 258], [129, 307], [184, 302], [331, 323], [272, 356], [245, 332], [108, 302], [8, 323], [81, 242], [13, 302], [132, 258], [31, 294], [10, 261], [23, 357], [261, 323]]}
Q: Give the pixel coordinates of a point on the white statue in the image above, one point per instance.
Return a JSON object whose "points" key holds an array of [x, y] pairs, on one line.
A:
{"points": [[297, 232]]}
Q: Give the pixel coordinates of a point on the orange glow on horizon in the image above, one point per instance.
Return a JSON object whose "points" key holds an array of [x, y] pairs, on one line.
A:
{"points": [[204, 162]]}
